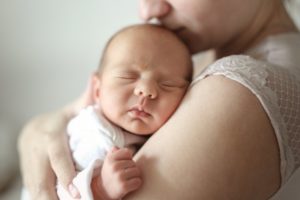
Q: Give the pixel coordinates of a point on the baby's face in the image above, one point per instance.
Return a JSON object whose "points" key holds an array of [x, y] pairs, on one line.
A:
{"points": [[144, 79]]}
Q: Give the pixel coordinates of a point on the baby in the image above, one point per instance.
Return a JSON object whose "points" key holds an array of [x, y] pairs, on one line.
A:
{"points": [[144, 73]]}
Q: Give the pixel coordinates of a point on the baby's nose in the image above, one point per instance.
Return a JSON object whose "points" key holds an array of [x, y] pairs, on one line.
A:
{"points": [[146, 90]]}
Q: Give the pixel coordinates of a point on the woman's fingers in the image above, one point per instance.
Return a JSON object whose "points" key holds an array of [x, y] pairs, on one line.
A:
{"points": [[62, 163], [37, 174], [44, 150], [45, 153]]}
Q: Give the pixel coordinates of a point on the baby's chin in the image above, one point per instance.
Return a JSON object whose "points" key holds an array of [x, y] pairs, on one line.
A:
{"points": [[142, 130]]}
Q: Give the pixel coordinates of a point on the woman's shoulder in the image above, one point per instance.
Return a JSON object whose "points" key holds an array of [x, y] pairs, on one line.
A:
{"points": [[237, 62], [241, 68], [276, 90]]}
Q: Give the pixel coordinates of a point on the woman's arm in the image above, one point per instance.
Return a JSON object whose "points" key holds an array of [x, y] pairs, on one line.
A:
{"points": [[43, 147], [218, 145], [44, 151]]}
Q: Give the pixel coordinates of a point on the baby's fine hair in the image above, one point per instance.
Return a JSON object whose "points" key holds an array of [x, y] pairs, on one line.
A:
{"points": [[102, 62]]}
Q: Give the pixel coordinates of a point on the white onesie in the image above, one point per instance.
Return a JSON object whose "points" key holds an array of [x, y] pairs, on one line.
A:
{"points": [[91, 136]]}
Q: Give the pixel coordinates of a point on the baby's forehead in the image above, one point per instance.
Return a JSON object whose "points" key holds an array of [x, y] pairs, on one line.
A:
{"points": [[145, 33], [140, 39], [144, 44]]}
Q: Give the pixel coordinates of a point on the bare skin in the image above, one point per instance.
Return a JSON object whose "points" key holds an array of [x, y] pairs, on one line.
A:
{"points": [[209, 161], [238, 157], [40, 176], [219, 152], [119, 175]]}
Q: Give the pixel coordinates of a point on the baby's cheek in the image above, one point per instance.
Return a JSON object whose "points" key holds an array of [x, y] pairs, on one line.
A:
{"points": [[168, 110]]}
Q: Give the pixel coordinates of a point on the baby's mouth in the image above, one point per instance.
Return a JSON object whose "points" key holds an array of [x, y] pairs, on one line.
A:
{"points": [[138, 113]]}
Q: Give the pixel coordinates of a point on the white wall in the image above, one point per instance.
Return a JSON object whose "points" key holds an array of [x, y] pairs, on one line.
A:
{"points": [[49, 47]]}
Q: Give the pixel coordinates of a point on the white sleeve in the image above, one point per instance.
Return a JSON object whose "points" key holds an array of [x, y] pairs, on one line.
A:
{"points": [[82, 181], [91, 136]]}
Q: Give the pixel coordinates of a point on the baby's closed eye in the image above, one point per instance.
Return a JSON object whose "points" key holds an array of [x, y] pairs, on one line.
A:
{"points": [[173, 84]]}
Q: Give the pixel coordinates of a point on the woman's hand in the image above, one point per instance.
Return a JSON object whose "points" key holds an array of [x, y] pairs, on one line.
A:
{"points": [[45, 154], [44, 150]]}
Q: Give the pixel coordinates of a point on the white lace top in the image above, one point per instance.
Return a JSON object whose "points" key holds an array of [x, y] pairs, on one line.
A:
{"points": [[271, 71]]}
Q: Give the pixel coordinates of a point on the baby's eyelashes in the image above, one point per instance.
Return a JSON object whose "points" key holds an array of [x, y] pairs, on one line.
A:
{"points": [[127, 75], [173, 84]]}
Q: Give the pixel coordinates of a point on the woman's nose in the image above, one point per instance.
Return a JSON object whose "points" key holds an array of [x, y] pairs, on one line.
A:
{"points": [[146, 89], [153, 9]]}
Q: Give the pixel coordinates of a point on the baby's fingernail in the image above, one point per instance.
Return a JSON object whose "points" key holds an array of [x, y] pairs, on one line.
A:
{"points": [[114, 149], [73, 191]]}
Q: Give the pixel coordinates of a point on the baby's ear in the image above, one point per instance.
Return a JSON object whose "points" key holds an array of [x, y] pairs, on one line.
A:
{"points": [[96, 88]]}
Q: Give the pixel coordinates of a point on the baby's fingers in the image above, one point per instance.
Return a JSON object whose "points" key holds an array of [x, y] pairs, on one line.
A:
{"points": [[132, 179], [133, 184], [132, 172], [120, 154]]}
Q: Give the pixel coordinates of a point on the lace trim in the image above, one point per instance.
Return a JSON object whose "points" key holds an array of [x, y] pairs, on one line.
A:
{"points": [[254, 74]]}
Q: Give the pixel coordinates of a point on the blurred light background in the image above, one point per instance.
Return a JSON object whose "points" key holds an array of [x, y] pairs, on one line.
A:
{"points": [[48, 49]]}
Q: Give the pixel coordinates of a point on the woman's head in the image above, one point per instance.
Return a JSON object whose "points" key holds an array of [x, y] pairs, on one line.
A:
{"points": [[145, 73], [205, 24]]}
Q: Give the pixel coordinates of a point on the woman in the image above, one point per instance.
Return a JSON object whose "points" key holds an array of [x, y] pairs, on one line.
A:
{"points": [[233, 137]]}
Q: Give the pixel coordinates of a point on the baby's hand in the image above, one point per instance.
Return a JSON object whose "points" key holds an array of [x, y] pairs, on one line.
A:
{"points": [[119, 173]]}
